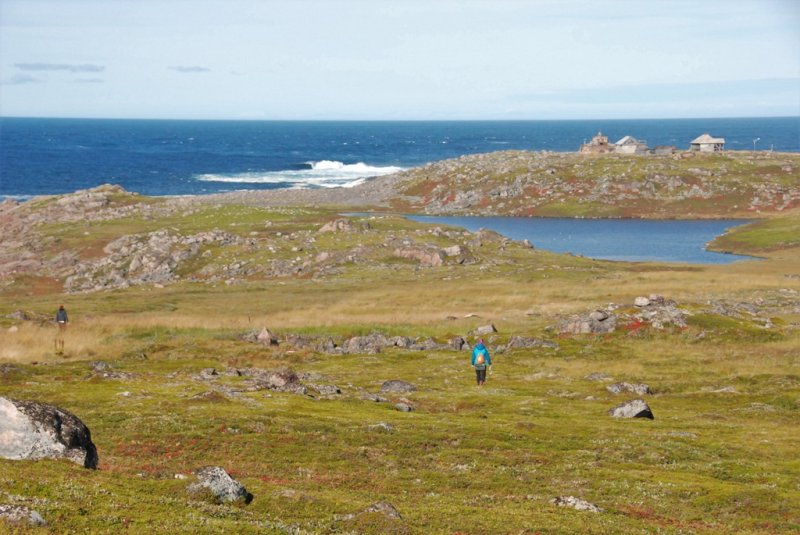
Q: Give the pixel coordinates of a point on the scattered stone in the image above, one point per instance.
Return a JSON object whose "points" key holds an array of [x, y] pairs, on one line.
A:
{"points": [[384, 507], [99, 366], [403, 407], [682, 434], [397, 386], [641, 302], [13, 329], [522, 342], [458, 343], [373, 397], [575, 503], [208, 373], [326, 390], [221, 485], [266, 338], [8, 369], [598, 376], [636, 408], [30, 430], [343, 225], [485, 329], [428, 256], [384, 426], [641, 389], [17, 514], [18, 315]]}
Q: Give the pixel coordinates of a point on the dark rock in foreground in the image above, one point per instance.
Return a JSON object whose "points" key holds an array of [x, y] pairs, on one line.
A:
{"points": [[32, 430], [221, 485], [636, 408]]}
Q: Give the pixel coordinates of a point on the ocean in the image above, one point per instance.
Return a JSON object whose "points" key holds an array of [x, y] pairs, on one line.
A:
{"points": [[153, 157]]}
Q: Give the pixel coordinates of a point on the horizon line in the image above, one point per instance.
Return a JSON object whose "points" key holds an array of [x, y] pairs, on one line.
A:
{"points": [[198, 119]]}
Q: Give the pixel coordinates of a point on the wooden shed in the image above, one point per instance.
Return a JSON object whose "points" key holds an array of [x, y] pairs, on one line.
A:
{"points": [[706, 143]]}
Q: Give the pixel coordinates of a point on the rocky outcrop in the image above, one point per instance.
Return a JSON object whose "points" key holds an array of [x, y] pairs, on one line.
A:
{"points": [[636, 408], [140, 259], [523, 342], [596, 322], [659, 312], [220, 484], [32, 430]]}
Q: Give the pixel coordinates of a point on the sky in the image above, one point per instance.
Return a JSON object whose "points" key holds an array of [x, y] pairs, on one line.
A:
{"points": [[399, 59]]}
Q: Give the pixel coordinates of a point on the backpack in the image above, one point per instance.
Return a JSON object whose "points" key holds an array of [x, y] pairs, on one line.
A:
{"points": [[480, 357]]}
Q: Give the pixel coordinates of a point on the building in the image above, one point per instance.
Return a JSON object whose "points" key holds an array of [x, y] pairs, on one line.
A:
{"points": [[598, 145], [706, 143], [630, 145]]}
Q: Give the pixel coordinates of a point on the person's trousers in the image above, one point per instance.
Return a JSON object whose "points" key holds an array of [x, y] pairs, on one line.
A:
{"points": [[481, 375]]}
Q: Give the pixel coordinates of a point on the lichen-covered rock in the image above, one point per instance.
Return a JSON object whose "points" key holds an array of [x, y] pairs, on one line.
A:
{"points": [[597, 322], [636, 408], [640, 388], [221, 485], [397, 386], [18, 514], [427, 256], [575, 503], [519, 342], [32, 430]]}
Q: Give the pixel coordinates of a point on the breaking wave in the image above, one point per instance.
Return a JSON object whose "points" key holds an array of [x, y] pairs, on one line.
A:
{"points": [[321, 174]]}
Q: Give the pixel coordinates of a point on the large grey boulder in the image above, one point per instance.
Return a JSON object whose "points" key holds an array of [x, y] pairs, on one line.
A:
{"points": [[397, 386], [32, 430], [636, 408], [221, 485], [17, 514]]}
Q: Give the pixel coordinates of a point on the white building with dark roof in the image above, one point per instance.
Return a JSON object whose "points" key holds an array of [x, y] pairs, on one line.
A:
{"points": [[706, 143], [630, 145]]}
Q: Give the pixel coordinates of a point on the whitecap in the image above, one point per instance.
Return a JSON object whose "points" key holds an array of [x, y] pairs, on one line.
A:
{"points": [[319, 174]]}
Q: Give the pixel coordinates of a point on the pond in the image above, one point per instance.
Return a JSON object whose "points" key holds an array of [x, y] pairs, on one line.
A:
{"points": [[633, 240]]}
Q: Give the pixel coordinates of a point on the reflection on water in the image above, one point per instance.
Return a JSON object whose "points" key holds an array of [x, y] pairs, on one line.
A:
{"points": [[610, 239]]}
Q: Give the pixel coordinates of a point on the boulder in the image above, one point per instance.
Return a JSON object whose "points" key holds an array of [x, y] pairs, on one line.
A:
{"points": [[221, 485], [427, 256], [266, 338], [597, 322], [370, 344], [641, 301], [397, 386], [485, 329], [636, 408], [575, 503], [403, 407], [641, 389], [344, 225], [458, 343], [32, 430], [17, 514]]}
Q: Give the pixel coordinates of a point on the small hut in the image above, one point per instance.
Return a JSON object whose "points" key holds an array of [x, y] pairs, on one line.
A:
{"points": [[706, 143]]}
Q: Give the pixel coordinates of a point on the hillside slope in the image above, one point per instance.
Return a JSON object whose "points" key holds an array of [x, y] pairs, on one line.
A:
{"points": [[519, 183]]}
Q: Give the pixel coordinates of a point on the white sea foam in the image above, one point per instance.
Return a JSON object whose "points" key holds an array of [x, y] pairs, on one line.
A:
{"points": [[321, 174]]}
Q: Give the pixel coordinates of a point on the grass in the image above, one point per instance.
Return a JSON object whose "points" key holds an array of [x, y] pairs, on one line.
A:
{"points": [[720, 456]]}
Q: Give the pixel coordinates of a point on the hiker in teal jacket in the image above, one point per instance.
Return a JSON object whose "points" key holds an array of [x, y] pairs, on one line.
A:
{"points": [[480, 360]]}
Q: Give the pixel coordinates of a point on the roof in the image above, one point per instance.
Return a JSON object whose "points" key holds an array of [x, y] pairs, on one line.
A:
{"points": [[705, 138], [628, 140]]}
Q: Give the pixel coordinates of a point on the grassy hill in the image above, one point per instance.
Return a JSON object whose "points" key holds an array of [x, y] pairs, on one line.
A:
{"points": [[163, 289]]}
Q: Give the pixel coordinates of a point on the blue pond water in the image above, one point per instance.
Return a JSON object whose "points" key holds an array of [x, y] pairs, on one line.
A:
{"points": [[609, 239]]}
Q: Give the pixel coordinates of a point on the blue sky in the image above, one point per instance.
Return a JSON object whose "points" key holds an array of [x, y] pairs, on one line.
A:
{"points": [[392, 59]]}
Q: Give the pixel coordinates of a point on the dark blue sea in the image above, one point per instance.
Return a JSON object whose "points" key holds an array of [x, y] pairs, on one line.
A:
{"points": [[47, 156]]}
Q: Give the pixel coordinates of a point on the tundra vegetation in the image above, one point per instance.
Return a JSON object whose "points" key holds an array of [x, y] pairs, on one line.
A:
{"points": [[234, 333]]}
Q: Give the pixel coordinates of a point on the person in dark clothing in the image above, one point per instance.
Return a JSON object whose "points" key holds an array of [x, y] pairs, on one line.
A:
{"points": [[61, 320], [480, 361]]}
